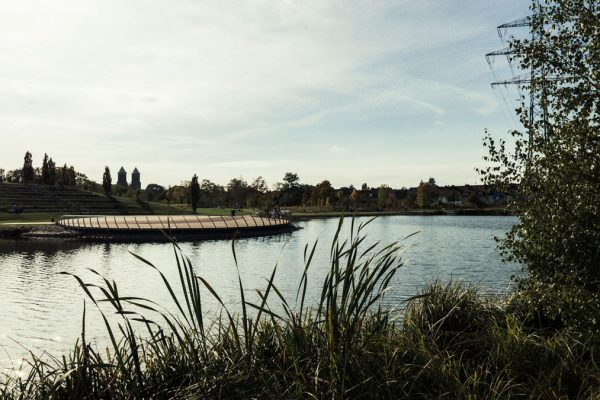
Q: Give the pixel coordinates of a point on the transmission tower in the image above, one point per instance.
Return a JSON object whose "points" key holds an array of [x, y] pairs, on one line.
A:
{"points": [[526, 79]]}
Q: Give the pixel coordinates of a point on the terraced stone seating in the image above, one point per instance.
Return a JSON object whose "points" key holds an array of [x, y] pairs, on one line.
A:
{"points": [[50, 199]]}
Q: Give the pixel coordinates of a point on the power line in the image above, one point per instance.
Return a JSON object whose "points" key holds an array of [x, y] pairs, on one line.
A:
{"points": [[526, 80]]}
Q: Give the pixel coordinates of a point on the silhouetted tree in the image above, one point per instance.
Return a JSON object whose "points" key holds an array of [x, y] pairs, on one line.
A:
{"points": [[195, 192], [71, 176], [45, 171], [425, 194], [27, 168], [155, 192], [51, 172], [237, 190], [291, 179], [107, 181]]}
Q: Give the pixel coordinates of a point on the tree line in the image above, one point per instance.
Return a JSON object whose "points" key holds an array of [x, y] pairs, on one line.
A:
{"points": [[240, 193], [48, 174], [290, 192]]}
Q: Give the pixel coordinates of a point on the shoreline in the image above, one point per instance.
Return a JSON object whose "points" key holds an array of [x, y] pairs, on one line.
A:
{"points": [[462, 212], [43, 230]]}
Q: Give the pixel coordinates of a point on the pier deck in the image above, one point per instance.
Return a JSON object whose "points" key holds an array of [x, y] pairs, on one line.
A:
{"points": [[152, 223]]}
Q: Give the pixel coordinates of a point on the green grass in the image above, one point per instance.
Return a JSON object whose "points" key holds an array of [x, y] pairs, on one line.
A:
{"points": [[448, 342], [26, 217], [147, 207], [210, 211]]}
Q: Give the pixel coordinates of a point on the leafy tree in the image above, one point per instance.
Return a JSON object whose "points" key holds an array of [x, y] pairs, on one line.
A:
{"points": [[179, 194], [555, 165], [64, 176], [425, 194], [107, 181], [257, 193], [386, 198], [195, 192], [45, 171], [51, 172], [154, 192], [71, 176], [237, 190], [260, 185], [290, 190], [27, 168], [211, 194], [2, 177], [291, 179], [322, 194]]}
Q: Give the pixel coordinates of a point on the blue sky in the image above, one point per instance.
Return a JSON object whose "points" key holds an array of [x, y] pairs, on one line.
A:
{"points": [[351, 91]]}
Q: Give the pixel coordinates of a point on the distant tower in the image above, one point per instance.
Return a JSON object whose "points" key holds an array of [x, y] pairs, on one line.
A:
{"points": [[122, 179], [135, 180]]}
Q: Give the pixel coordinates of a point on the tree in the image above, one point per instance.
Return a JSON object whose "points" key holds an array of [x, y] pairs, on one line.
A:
{"points": [[291, 179], [386, 197], [51, 172], [45, 171], [71, 176], [425, 194], [322, 194], [260, 185], [290, 190], [195, 192], [2, 178], [107, 181], [237, 190], [154, 192], [554, 169], [27, 168]]}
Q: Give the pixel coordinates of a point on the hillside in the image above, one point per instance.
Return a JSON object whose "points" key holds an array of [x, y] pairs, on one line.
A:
{"points": [[39, 201]]}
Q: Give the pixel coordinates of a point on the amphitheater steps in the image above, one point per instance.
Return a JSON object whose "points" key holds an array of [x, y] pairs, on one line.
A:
{"points": [[49, 199]]}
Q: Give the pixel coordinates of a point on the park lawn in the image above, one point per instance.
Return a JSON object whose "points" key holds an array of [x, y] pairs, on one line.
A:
{"points": [[211, 211], [147, 207], [6, 217]]}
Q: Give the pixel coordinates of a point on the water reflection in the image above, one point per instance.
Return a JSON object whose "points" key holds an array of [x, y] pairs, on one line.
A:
{"points": [[42, 309]]}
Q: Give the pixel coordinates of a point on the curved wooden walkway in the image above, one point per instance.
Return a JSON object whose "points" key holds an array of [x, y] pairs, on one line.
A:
{"points": [[189, 223]]}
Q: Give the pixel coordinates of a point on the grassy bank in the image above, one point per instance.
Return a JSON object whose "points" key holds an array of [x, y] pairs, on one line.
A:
{"points": [[449, 342]]}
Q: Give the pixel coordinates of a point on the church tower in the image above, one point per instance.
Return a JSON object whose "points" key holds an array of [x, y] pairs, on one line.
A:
{"points": [[135, 180], [122, 177]]}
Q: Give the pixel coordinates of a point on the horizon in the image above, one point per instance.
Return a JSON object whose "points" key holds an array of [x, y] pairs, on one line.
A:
{"points": [[383, 93]]}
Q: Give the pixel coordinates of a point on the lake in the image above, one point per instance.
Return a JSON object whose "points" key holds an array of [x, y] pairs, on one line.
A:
{"points": [[41, 309]]}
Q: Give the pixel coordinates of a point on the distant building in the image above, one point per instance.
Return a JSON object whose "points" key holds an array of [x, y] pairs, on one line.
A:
{"points": [[122, 177], [135, 180]]}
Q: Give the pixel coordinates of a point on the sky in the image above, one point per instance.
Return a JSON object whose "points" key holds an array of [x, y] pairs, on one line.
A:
{"points": [[382, 92]]}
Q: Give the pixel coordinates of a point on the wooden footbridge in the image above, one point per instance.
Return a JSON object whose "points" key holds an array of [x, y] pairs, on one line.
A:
{"points": [[188, 225]]}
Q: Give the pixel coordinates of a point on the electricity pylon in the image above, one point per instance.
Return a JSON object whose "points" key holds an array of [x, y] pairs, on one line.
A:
{"points": [[527, 80]]}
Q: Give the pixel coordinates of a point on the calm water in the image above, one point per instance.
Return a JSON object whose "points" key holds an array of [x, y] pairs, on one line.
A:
{"points": [[41, 309]]}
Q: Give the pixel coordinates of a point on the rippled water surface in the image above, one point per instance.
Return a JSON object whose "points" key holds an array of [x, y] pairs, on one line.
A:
{"points": [[41, 309]]}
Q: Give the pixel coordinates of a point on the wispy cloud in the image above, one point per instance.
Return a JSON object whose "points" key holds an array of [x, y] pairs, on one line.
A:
{"points": [[211, 84]]}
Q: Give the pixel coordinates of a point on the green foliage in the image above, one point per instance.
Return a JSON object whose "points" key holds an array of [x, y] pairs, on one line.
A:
{"points": [[27, 172], [237, 192], [154, 192], [386, 197], [195, 192], [426, 193], [107, 181], [45, 171], [555, 164]]}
